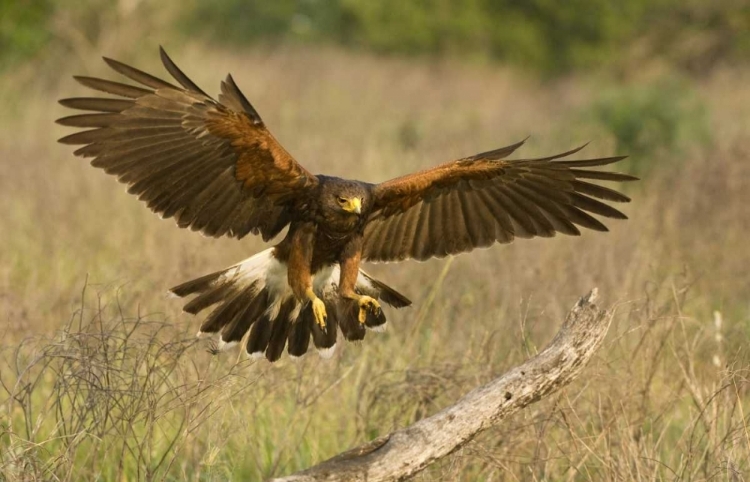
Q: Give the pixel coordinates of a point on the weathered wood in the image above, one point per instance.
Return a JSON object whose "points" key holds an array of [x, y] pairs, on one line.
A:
{"points": [[405, 452]]}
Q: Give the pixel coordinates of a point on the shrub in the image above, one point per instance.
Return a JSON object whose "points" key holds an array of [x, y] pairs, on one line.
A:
{"points": [[540, 35], [665, 117], [23, 29]]}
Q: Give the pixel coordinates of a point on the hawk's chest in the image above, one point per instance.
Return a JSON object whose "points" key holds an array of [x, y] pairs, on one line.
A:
{"points": [[330, 244], [339, 224]]}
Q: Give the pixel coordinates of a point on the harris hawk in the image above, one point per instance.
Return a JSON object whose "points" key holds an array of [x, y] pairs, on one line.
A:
{"points": [[214, 167]]}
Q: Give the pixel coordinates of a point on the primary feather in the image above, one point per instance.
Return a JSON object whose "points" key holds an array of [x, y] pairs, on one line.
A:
{"points": [[211, 165]]}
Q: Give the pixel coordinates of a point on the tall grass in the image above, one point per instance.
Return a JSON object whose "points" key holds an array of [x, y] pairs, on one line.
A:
{"points": [[108, 382]]}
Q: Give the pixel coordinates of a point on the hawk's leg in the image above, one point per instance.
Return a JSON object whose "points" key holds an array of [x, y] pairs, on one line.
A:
{"points": [[299, 274], [318, 307], [350, 259]]}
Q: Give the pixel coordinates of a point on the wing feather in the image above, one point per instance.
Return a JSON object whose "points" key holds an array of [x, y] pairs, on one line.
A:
{"points": [[599, 191], [476, 229], [542, 226], [97, 104], [522, 225], [479, 200], [138, 75], [88, 120], [461, 218], [178, 75], [596, 207], [551, 210], [602, 175], [504, 231], [436, 226], [580, 218], [213, 166], [421, 246], [109, 87]]}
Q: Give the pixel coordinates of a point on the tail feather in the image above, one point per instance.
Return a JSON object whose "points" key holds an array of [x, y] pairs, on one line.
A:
{"points": [[255, 302], [299, 334], [386, 293], [197, 285], [280, 330], [350, 326], [376, 322], [228, 311], [235, 330], [260, 334], [209, 298], [325, 341]]}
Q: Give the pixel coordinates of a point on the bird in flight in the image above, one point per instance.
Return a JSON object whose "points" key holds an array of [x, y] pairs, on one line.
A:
{"points": [[214, 167]]}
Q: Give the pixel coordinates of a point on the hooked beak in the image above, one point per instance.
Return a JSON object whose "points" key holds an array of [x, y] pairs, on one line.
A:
{"points": [[353, 205]]}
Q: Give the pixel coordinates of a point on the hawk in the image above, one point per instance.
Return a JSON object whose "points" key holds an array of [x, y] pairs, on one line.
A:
{"points": [[214, 167]]}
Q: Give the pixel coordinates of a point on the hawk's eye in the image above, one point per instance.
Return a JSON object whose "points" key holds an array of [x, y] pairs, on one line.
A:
{"points": [[342, 200]]}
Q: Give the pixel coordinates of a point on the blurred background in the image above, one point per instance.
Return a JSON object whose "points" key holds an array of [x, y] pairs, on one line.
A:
{"points": [[100, 376]]}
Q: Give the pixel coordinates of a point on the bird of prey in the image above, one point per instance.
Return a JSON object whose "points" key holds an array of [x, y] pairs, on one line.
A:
{"points": [[214, 167]]}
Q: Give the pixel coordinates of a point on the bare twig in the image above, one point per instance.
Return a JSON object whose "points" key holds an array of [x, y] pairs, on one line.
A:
{"points": [[405, 452]]}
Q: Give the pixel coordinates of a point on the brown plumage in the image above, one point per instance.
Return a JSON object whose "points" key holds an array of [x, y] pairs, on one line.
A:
{"points": [[215, 167]]}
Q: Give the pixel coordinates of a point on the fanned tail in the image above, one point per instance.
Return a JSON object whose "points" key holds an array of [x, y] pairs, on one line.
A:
{"points": [[254, 296]]}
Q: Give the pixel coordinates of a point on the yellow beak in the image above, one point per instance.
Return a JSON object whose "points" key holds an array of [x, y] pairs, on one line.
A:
{"points": [[353, 205]]}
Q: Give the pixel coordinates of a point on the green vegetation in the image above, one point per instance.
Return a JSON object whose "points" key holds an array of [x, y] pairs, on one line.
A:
{"points": [[539, 35], [23, 29], [662, 119]]}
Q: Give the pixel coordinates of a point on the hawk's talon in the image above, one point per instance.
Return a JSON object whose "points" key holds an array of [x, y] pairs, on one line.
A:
{"points": [[367, 303], [319, 310]]}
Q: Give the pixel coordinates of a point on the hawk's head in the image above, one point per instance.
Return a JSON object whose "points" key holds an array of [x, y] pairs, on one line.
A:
{"points": [[344, 199]]}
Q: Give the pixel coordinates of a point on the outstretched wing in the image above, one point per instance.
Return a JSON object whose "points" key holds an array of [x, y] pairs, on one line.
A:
{"points": [[213, 166], [477, 201]]}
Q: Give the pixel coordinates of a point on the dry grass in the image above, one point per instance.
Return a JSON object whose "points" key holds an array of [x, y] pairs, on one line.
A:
{"points": [[108, 383]]}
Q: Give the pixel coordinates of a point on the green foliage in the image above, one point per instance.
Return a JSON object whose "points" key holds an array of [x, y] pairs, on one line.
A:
{"points": [[243, 21], [665, 117], [426, 26], [541, 35], [30, 27], [23, 29], [696, 35]]}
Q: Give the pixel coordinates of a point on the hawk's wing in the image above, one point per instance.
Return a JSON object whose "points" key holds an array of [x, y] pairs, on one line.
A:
{"points": [[477, 201], [213, 166]]}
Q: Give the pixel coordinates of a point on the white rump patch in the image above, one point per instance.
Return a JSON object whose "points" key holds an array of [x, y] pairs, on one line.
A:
{"points": [[252, 268], [268, 273], [327, 278], [273, 276], [277, 284], [324, 278]]}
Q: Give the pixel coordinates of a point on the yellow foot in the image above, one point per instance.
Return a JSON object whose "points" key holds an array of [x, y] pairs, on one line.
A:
{"points": [[366, 304], [319, 310]]}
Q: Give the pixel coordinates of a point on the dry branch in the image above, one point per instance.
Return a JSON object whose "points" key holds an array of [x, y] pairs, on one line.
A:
{"points": [[405, 452]]}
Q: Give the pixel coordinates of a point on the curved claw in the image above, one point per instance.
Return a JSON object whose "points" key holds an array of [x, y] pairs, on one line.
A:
{"points": [[367, 303], [319, 310]]}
